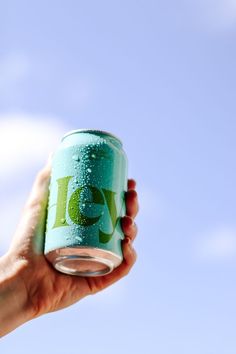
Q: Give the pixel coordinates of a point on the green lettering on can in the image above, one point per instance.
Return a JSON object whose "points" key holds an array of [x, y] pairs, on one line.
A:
{"points": [[61, 202], [110, 201], [73, 208]]}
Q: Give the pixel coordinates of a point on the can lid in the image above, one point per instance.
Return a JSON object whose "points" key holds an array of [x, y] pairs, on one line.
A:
{"points": [[92, 131]]}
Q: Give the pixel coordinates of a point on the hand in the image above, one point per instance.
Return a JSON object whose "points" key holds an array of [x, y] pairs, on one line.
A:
{"points": [[41, 288]]}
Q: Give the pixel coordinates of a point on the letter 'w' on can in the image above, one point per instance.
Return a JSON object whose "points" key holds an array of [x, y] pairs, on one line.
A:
{"points": [[86, 203]]}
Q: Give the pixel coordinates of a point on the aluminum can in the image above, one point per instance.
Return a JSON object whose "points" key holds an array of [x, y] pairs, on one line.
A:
{"points": [[86, 202]]}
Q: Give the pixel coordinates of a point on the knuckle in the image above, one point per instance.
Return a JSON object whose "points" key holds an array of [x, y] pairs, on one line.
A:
{"points": [[43, 176], [127, 270], [133, 193], [130, 264], [134, 257], [34, 206]]}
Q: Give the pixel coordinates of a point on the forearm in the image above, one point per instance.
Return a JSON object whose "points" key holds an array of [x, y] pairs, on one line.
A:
{"points": [[14, 306]]}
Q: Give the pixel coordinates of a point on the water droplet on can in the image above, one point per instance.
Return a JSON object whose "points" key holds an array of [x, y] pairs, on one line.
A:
{"points": [[89, 170], [63, 221], [76, 157], [78, 238]]}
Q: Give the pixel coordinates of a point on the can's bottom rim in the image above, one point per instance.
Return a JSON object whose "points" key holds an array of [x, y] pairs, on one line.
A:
{"points": [[85, 266], [84, 261]]}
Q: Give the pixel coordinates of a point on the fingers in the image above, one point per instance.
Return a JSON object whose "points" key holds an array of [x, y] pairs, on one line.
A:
{"points": [[131, 184], [132, 207], [129, 254], [129, 227], [130, 230], [130, 257], [29, 235]]}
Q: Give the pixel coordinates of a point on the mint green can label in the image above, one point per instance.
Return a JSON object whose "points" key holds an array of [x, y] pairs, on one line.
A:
{"points": [[86, 202]]}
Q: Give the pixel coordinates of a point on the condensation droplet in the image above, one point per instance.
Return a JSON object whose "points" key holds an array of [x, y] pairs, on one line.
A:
{"points": [[76, 157], [63, 221], [78, 238], [89, 170]]}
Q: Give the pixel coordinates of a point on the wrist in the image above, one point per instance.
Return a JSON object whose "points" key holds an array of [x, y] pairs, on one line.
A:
{"points": [[15, 308]]}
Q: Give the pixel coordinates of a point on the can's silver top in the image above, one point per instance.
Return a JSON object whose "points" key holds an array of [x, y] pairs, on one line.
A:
{"points": [[92, 131]]}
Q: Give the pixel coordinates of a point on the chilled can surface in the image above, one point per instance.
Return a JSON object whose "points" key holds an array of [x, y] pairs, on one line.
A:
{"points": [[86, 202]]}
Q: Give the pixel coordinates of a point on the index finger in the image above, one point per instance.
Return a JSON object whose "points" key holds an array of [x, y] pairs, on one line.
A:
{"points": [[131, 183]]}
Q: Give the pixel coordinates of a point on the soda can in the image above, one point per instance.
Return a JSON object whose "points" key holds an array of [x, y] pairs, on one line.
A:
{"points": [[86, 202]]}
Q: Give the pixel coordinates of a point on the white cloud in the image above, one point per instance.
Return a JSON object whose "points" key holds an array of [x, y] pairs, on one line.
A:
{"points": [[217, 245], [26, 140], [10, 211]]}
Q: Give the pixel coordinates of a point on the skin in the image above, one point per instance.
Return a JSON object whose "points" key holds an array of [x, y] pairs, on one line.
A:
{"points": [[29, 285]]}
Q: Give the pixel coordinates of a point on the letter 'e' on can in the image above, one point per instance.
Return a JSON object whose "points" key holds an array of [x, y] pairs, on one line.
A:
{"points": [[86, 203]]}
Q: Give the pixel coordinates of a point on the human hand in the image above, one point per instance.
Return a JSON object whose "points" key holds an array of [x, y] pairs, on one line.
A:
{"points": [[39, 287]]}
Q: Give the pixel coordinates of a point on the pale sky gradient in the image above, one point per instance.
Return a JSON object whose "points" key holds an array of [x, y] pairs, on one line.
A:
{"points": [[160, 75]]}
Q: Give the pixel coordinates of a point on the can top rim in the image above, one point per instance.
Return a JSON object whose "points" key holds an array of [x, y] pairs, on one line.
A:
{"points": [[95, 131]]}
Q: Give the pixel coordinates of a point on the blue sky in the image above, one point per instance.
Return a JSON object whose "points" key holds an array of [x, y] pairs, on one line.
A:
{"points": [[160, 75]]}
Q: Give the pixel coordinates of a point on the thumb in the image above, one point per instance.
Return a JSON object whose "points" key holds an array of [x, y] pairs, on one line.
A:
{"points": [[39, 192], [29, 236]]}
